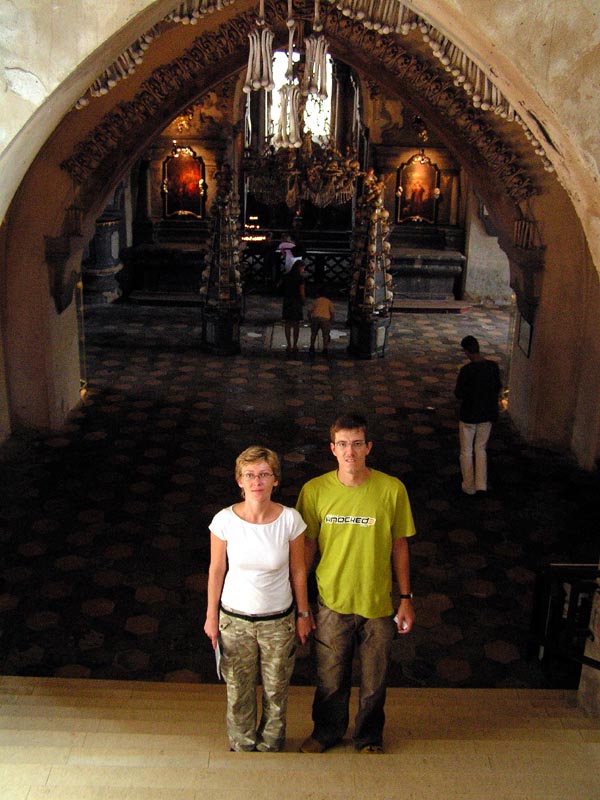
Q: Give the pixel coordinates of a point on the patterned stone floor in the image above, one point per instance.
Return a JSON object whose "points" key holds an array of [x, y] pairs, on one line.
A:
{"points": [[103, 525]]}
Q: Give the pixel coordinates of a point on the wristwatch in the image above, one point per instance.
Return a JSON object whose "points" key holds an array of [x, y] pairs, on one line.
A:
{"points": [[303, 614], [408, 596]]}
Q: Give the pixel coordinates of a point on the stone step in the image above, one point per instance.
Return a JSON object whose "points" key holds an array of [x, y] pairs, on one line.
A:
{"points": [[64, 739]]}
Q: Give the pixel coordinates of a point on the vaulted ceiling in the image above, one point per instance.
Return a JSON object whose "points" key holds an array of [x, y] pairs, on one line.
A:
{"points": [[171, 65]]}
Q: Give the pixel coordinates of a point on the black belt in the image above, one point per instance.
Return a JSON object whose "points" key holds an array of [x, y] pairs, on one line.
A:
{"points": [[258, 617]]}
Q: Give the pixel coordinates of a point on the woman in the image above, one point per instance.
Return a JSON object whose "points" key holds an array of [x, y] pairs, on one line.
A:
{"points": [[256, 547], [293, 303], [286, 250]]}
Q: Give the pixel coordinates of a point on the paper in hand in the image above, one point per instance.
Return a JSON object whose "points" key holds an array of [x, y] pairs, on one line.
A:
{"points": [[218, 659]]}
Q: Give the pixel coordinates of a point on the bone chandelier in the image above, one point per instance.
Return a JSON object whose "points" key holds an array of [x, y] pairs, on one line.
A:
{"points": [[294, 166]]}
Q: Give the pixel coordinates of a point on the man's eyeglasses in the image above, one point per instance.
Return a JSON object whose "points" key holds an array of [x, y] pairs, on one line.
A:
{"points": [[262, 476], [353, 445]]}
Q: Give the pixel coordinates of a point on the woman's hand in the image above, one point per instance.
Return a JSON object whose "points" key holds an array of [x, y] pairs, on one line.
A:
{"points": [[304, 627], [211, 629]]}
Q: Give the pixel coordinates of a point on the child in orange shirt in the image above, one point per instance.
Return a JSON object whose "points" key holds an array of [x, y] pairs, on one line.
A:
{"points": [[321, 314]]}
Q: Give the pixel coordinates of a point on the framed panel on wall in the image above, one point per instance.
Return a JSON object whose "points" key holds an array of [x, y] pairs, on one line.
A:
{"points": [[417, 190], [524, 336], [183, 184]]}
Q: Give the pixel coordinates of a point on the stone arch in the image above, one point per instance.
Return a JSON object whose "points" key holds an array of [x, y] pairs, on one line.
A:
{"points": [[49, 258]]}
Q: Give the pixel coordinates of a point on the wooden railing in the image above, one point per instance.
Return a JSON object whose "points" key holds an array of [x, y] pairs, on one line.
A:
{"points": [[560, 626]]}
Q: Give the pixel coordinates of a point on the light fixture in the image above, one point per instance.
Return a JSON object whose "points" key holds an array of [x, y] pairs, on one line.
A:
{"points": [[292, 167]]}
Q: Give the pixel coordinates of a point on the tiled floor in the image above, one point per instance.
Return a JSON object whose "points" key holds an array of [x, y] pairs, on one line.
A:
{"points": [[68, 739], [103, 525]]}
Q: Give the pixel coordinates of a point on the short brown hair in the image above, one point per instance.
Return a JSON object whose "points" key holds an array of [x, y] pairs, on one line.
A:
{"points": [[254, 454], [348, 422]]}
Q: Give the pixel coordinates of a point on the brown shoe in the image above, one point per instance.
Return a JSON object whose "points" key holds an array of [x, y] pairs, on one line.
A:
{"points": [[372, 748], [311, 745]]}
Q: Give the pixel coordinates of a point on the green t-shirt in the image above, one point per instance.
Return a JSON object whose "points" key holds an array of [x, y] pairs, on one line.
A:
{"points": [[355, 527]]}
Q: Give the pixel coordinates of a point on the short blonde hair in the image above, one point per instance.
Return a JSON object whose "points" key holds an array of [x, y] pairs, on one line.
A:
{"points": [[254, 454]]}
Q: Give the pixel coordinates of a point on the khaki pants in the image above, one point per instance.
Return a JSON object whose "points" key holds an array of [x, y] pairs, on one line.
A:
{"points": [[253, 649], [474, 438]]}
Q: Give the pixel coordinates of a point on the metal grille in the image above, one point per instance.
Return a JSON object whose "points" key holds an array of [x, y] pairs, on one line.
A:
{"points": [[331, 269]]}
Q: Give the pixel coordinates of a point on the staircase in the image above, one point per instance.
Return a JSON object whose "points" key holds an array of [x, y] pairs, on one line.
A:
{"points": [[63, 739]]}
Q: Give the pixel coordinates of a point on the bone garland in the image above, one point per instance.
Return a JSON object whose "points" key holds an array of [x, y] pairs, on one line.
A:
{"points": [[289, 73], [383, 16], [288, 125], [370, 291], [121, 68], [314, 80], [220, 285], [189, 13], [259, 74], [389, 16]]}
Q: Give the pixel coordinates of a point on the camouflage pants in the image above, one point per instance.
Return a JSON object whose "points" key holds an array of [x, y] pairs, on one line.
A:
{"points": [[251, 649]]}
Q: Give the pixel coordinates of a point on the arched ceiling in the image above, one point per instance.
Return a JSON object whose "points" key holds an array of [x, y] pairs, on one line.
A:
{"points": [[110, 130]]}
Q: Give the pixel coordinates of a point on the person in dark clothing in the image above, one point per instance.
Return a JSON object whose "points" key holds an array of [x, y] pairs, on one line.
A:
{"points": [[293, 306], [477, 387]]}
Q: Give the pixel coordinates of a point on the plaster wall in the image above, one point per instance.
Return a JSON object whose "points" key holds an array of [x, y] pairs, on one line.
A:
{"points": [[42, 44], [544, 55], [488, 274], [564, 379], [42, 350]]}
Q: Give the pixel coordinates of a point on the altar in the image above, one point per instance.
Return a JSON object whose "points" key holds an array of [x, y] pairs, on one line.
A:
{"points": [[427, 274]]}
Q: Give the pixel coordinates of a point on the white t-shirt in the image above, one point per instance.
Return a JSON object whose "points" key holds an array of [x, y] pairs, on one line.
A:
{"points": [[258, 575]]}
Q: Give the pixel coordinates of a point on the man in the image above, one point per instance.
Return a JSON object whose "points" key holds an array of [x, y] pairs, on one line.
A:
{"points": [[477, 387], [360, 520]]}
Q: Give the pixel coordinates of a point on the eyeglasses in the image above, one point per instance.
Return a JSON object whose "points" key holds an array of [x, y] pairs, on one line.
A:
{"points": [[353, 445], [262, 476]]}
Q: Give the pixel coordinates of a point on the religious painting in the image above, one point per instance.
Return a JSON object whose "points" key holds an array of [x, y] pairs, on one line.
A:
{"points": [[417, 190], [183, 184]]}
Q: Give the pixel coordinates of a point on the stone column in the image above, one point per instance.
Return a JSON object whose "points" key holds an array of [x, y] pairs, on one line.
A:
{"points": [[103, 263], [221, 281], [370, 307]]}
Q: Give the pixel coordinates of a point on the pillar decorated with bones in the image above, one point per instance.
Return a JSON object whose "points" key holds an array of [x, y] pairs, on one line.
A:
{"points": [[370, 305], [220, 287]]}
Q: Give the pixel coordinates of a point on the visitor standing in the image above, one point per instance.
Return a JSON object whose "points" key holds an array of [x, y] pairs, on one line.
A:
{"points": [[359, 519], [293, 306], [257, 568], [477, 387]]}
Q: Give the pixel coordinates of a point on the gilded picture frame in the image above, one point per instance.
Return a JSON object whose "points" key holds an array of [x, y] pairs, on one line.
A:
{"points": [[417, 190], [184, 184]]}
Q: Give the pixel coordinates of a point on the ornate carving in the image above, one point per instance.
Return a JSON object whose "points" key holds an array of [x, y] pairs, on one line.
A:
{"points": [[435, 84], [432, 83], [166, 82]]}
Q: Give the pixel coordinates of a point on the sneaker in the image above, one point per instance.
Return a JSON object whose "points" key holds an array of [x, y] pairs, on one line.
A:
{"points": [[311, 745], [372, 748]]}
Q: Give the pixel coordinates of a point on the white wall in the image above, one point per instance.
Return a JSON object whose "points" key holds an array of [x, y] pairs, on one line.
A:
{"points": [[488, 274]]}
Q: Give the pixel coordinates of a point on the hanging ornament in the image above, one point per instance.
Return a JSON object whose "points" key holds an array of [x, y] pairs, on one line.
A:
{"points": [[315, 71], [259, 74]]}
